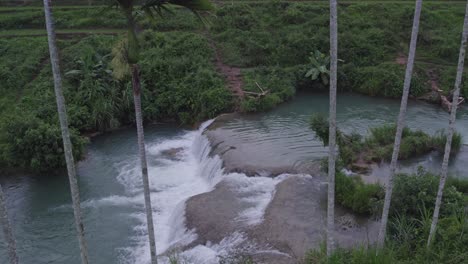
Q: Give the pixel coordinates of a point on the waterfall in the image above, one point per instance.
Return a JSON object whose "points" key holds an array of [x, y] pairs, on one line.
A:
{"points": [[187, 171]]}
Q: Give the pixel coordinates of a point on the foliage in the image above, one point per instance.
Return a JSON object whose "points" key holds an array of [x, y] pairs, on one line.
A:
{"points": [[278, 82], [386, 80], [440, 140], [362, 198], [272, 39], [36, 144], [319, 124], [378, 145], [411, 192], [410, 219], [178, 78], [181, 84], [271, 34], [320, 64]]}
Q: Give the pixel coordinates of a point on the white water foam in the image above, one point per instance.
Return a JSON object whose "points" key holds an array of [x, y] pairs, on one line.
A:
{"points": [[188, 170]]}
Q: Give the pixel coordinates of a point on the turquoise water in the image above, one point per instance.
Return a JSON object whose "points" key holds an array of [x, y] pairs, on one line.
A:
{"points": [[282, 136], [40, 206]]}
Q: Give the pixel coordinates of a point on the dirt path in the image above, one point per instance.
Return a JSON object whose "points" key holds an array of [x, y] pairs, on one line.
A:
{"points": [[232, 75]]}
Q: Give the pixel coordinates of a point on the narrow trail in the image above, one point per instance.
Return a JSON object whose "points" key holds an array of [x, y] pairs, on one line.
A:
{"points": [[232, 75]]}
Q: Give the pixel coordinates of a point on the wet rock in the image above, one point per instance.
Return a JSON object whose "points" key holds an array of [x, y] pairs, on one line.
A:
{"points": [[172, 153], [294, 221], [242, 159], [213, 214]]}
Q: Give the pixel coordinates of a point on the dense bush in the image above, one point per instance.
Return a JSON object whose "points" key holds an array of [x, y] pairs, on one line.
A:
{"points": [[413, 193], [371, 37], [362, 198], [386, 80], [178, 81], [378, 145], [277, 82], [179, 78], [409, 221], [35, 144]]}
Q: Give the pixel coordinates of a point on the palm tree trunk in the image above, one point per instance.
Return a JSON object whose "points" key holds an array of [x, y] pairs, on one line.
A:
{"points": [[400, 124], [62, 113], [7, 230], [332, 129], [144, 164], [453, 116]]}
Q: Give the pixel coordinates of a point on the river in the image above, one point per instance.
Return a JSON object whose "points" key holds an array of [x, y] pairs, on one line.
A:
{"points": [[180, 167]]}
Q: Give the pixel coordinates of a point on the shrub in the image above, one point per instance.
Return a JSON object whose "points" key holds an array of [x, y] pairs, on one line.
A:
{"points": [[362, 198], [412, 192], [440, 140], [319, 124], [37, 145]]}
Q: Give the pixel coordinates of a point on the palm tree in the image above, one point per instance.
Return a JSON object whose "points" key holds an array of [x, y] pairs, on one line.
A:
{"points": [[132, 55], [332, 129], [67, 146], [453, 116], [7, 230], [400, 124]]}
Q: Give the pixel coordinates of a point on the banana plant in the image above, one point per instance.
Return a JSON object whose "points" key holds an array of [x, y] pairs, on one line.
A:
{"points": [[320, 64]]}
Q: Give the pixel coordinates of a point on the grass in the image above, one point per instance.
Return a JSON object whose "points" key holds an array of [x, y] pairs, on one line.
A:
{"points": [[356, 152], [269, 40], [41, 32], [409, 221]]}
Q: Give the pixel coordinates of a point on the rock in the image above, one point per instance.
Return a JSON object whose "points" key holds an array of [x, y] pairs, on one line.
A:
{"points": [[213, 214], [172, 153], [294, 221]]}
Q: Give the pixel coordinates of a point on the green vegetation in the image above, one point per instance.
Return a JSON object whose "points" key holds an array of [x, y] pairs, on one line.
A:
{"points": [[271, 41], [362, 198], [354, 150], [410, 220], [180, 84], [372, 37], [275, 80], [320, 63]]}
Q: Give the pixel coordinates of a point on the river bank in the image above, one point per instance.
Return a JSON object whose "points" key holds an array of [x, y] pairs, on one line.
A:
{"points": [[280, 141], [204, 211]]}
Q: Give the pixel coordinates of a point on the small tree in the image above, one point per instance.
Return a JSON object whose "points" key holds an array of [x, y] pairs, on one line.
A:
{"points": [[320, 63]]}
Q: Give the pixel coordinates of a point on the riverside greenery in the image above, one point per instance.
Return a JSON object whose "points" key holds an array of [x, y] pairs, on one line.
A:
{"points": [[412, 201], [409, 221], [378, 145], [269, 40], [180, 84]]}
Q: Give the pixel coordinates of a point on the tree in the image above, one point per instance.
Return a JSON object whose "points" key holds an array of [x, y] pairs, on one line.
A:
{"points": [[453, 116], [7, 230], [67, 146], [132, 58], [332, 129], [400, 124]]}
